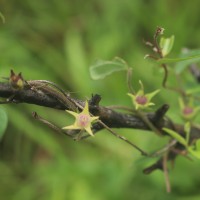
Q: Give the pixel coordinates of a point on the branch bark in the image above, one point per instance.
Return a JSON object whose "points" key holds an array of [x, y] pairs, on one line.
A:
{"points": [[38, 93], [48, 94]]}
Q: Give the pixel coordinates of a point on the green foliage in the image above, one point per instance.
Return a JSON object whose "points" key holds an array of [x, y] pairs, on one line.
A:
{"points": [[193, 149], [100, 69], [190, 54], [176, 136], [194, 90], [190, 59], [3, 122]]}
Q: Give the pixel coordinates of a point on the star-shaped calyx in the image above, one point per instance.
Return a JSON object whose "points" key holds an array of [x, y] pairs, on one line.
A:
{"points": [[142, 100], [83, 120]]}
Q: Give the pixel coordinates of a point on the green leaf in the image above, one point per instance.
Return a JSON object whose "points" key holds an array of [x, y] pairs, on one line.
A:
{"points": [[191, 59], [198, 145], [176, 136], [3, 122], [180, 66], [166, 45], [193, 90], [194, 152], [101, 68], [183, 141]]}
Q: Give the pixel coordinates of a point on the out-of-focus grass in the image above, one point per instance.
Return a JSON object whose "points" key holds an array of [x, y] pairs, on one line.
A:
{"points": [[58, 41]]}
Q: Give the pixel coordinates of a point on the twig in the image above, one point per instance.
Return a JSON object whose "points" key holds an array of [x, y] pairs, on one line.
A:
{"points": [[117, 135], [52, 126], [166, 148], [158, 50], [123, 138], [166, 174]]}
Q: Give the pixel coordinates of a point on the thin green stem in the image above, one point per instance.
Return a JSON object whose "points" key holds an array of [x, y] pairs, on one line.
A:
{"points": [[123, 138], [166, 174], [129, 78]]}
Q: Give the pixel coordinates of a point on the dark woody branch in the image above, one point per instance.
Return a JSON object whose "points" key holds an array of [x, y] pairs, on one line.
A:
{"points": [[48, 94], [43, 94]]}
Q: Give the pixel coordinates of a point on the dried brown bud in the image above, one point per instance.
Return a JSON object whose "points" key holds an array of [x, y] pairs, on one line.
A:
{"points": [[16, 81], [159, 30]]}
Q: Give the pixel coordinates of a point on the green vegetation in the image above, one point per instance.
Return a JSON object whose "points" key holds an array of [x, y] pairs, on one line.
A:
{"points": [[59, 41]]}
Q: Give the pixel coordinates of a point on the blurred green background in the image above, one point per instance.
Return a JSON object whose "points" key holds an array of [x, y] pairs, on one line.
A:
{"points": [[58, 40]]}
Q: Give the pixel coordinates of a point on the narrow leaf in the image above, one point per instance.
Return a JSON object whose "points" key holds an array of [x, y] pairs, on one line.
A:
{"points": [[193, 90], [180, 66], [194, 152], [198, 145], [100, 69], [166, 45], [3, 122], [192, 59], [176, 136]]}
